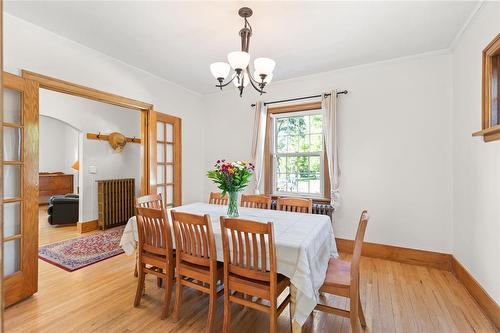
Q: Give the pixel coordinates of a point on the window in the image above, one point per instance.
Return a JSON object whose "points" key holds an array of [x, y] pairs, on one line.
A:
{"points": [[297, 154], [491, 92]]}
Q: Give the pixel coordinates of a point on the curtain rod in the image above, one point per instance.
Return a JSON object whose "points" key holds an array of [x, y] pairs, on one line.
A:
{"points": [[343, 92]]}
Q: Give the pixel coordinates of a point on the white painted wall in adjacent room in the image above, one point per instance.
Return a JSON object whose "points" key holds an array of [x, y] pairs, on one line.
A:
{"points": [[395, 145], [476, 165], [58, 145], [93, 117], [27, 46]]}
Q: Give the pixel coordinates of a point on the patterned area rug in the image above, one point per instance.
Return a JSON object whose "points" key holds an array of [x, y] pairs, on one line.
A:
{"points": [[80, 252]]}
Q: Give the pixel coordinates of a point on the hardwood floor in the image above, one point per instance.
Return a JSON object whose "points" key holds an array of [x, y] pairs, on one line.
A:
{"points": [[50, 234], [99, 298]]}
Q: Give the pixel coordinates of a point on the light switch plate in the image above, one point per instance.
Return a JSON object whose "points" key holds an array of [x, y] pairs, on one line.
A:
{"points": [[92, 169]]}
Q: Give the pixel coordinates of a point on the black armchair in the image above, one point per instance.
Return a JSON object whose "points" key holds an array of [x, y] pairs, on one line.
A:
{"points": [[63, 209]]}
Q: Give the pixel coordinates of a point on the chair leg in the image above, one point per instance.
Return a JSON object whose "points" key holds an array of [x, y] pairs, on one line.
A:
{"points": [[212, 307], [168, 294], [178, 298], [227, 310], [136, 272], [354, 325], [361, 314], [159, 280], [273, 317], [354, 315], [140, 287]]}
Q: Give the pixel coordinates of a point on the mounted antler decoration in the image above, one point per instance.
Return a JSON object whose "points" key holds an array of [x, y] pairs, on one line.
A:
{"points": [[116, 140]]}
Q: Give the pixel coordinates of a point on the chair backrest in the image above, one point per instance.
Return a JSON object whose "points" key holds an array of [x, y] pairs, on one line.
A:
{"points": [[194, 239], [255, 201], [149, 201], [298, 205], [248, 248], [358, 245], [217, 199], [155, 234]]}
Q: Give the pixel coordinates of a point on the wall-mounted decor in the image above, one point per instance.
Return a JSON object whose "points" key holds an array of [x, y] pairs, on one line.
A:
{"points": [[115, 139]]}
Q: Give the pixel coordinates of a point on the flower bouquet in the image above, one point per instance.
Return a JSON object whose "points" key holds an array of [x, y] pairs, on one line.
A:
{"points": [[231, 178]]}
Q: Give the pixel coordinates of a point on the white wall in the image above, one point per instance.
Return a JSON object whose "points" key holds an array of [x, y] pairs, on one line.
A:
{"points": [[395, 145], [93, 117], [58, 145], [396, 128], [30, 47], [476, 165]]}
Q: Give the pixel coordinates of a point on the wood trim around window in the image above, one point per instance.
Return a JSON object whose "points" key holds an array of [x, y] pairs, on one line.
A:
{"points": [[490, 54], [268, 174]]}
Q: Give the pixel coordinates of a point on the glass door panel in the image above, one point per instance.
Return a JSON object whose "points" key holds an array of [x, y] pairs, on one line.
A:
{"points": [[12, 106], [12, 256], [12, 219]]}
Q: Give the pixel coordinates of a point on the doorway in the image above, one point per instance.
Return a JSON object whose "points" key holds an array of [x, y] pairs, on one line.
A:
{"points": [[21, 278]]}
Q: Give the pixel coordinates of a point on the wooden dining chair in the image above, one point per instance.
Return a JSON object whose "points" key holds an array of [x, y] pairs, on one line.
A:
{"points": [[147, 201], [342, 279], [196, 260], [298, 205], [248, 270], [156, 254], [217, 199], [255, 201]]}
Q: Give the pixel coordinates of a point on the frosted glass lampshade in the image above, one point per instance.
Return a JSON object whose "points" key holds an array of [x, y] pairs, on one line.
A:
{"points": [[245, 78], [238, 59], [220, 69], [267, 80], [264, 66]]}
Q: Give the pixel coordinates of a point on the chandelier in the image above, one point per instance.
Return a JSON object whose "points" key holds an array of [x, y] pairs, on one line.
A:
{"points": [[239, 61]]}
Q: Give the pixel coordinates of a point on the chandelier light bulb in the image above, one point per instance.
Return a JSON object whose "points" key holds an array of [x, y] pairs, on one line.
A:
{"points": [[264, 66], [238, 59], [220, 70]]}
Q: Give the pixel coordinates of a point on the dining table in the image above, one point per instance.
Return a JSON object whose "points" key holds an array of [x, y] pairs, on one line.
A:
{"points": [[304, 244]]}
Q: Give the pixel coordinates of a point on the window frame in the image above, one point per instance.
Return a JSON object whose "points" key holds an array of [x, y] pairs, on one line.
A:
{"points": [[275, 155], [490, 54], [269, 163]]}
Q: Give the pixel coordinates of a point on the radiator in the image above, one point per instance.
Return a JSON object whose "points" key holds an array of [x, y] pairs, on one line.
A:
{"points": [[115, 200], [321, 209]]}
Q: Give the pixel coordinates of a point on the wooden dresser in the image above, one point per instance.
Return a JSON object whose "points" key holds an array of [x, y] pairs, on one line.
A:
{"points": [[54, 183]]}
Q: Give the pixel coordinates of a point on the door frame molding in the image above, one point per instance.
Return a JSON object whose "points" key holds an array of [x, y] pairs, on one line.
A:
{"points": [[146, 109], [147, 115]]}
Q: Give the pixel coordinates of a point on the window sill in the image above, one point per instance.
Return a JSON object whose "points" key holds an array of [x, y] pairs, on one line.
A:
{"points": [[489, 134]]}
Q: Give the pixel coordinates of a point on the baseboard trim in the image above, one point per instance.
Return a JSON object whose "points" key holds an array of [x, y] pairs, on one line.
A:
{"points": [[488, 304], [399, 254], [86, 226]]}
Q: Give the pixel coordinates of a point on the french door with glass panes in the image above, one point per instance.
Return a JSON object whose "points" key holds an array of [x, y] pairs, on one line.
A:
{"points": [[20, 188], [165, 158]]}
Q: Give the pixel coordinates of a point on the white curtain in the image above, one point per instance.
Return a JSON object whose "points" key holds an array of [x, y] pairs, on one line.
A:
{"points": [[258, 142], [329, 107]]}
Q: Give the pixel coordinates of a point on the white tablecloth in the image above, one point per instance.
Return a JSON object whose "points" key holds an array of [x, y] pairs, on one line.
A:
{"points": [[304, 243]]}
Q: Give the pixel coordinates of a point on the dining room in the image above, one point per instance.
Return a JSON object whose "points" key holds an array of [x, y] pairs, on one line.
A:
{"points": [[255, 166]]}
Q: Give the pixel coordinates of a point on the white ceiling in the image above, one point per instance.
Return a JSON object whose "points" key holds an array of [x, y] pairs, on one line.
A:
{"points": [[179, 40]]}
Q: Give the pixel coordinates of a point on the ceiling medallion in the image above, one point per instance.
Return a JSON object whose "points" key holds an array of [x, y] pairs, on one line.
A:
{"points": [[239, 61]]}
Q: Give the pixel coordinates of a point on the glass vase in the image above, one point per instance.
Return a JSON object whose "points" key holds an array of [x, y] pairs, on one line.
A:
{"points": [[232, 208]]}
